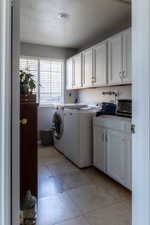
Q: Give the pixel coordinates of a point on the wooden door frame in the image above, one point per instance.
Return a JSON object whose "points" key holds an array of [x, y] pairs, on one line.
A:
{"points": [[141, 115]]}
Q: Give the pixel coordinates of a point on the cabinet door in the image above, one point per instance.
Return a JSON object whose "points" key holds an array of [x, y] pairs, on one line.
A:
{"points": [[77, 71], [115, 155], [115, 59], [128, 161], [28, 149], [87, 67], [99, 148], [100, 64], [127, 56], [69, 74]]}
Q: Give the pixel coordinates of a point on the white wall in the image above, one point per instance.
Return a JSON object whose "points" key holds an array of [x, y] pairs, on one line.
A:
{"points": [[45, 115], [85, 96], [28, 49], [95, 95]]}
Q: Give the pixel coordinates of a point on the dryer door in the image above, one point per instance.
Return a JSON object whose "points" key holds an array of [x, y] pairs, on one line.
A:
{"points": [[58, 125]]}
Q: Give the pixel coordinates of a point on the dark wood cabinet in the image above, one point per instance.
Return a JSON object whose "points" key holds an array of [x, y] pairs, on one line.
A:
{"points": [[28, 148]]}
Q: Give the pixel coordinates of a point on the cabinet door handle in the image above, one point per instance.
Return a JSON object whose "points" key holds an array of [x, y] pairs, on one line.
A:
{"points": [[24, 121], [106, 138]]}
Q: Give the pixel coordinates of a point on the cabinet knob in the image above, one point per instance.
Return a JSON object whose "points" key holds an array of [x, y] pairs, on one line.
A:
{"points": [[24, 121]]}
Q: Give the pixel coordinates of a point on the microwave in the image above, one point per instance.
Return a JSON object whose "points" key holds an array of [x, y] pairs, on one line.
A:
{"points": [[124, 107]]}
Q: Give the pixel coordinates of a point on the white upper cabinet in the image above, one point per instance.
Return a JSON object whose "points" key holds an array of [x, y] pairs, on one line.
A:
{"points": [[100, 64], [87, 67], [77, 71], [115, 59], [107, 63], [120, 58], [127, 56], [69, 74]]}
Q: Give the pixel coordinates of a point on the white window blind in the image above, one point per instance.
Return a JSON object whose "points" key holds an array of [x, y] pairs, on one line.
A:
{"points": [[50, 81], [49, 78]]}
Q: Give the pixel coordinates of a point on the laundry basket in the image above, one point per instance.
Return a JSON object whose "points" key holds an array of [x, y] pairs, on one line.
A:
{"points": [[46, 137]]}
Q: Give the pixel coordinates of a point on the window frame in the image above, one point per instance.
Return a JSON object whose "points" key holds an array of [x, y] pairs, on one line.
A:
{"points": [[38, 77]]}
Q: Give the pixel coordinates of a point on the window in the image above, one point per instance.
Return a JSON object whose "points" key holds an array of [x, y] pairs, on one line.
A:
{"points": [[48, 75], [30, 65]]}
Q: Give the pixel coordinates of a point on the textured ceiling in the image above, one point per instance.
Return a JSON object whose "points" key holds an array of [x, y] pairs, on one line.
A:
{"points": [[87, 20]]}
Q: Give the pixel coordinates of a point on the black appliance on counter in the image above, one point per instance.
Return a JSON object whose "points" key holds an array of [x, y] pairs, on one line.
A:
{"points": [[107, 108], [124, 108]]}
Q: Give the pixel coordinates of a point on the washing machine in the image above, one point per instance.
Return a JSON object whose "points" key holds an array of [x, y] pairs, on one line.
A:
{"points": [[60, 136], [58, 127], [78, 136]]}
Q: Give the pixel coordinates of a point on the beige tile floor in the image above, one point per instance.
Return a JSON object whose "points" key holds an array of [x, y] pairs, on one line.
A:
{"points": [[71, 196]]}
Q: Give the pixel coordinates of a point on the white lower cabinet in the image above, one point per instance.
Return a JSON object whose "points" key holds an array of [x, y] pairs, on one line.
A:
{"points": [[128, 161], [112, 150], [115, 155], [99, 148], [119, 157]]}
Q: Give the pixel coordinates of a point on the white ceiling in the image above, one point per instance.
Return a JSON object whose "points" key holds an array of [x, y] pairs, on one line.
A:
{"points": [[87, 20]]}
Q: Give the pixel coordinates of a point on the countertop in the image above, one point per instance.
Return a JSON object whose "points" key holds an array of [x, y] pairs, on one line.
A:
{"points": [[115, 117]]}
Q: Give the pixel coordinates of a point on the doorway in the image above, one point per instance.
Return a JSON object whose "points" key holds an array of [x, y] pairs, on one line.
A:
{"points": [[138, 130], [81, 194]]}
